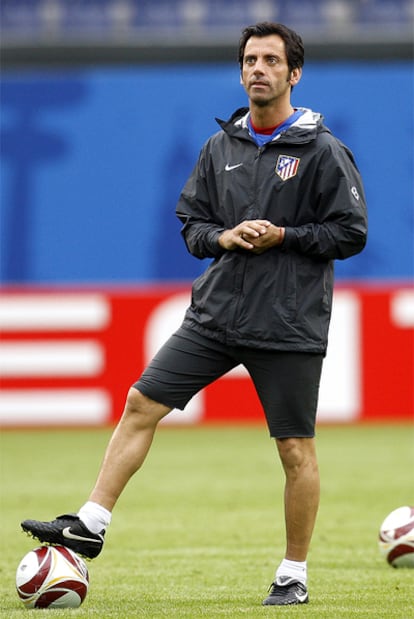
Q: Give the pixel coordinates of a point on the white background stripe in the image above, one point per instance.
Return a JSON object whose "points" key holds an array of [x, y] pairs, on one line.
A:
{"points": [[402, 309], [57, 358], [64, 312], [54, 407]]}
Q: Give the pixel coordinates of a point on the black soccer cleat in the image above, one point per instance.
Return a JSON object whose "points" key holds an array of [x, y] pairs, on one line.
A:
{"points": [[67, 530], [286, 590]]}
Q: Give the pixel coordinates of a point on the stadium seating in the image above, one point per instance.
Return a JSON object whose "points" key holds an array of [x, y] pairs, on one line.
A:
{"points": [[31, 20]]}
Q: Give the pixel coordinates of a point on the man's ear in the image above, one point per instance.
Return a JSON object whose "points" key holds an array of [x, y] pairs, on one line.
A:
{"points": [[295, 76]]}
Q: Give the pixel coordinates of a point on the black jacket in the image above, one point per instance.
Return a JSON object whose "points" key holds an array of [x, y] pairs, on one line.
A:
{"points": [[305, 180]]}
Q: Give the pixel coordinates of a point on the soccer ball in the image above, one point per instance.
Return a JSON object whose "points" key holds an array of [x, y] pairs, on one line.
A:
{"points": [[396, 537], [52, 577]]}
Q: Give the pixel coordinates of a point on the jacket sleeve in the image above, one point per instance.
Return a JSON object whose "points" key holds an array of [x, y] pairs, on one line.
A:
{"points": [[340, 227], [195, 209]]}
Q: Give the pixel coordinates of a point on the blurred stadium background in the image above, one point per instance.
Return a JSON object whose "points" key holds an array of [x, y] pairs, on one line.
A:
{"points": [[200, 22], [104, 107]]}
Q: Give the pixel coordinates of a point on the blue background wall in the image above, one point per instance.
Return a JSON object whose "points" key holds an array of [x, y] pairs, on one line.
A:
{"points": [[93, 160]]}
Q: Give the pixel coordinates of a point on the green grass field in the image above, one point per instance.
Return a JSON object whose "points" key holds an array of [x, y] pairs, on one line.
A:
{"points": [[199, 531]]}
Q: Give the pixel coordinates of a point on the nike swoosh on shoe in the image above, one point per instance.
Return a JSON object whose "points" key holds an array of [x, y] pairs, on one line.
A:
{"points": [[301, 597], [67, 534]]}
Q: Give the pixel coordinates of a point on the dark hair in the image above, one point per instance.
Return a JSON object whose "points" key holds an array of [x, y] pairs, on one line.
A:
{"points": [[295, 52]]}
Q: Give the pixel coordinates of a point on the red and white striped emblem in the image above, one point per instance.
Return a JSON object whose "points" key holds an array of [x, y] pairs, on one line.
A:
{"points": [[286, 166]]}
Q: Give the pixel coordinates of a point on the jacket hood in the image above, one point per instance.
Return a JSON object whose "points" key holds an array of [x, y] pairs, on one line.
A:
{"points": [[304, 129]]}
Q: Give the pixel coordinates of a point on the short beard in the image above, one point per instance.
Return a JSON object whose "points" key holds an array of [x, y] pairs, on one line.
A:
{"points": [[262, 102]]}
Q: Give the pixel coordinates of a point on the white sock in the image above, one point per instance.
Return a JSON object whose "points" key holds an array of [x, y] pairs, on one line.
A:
{"points": [[94, 516], [294, 569]]}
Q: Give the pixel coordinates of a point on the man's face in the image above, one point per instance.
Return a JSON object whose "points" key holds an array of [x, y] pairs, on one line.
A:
{"points": [[265, 73]]}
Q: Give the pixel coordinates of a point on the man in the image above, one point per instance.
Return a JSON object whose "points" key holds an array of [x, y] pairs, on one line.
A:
{"points": [[274, 199]]}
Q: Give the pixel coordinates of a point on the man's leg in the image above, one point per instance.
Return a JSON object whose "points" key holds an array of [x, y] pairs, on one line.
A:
{"points": [[182, 367], [302, 491], [128, 447]]}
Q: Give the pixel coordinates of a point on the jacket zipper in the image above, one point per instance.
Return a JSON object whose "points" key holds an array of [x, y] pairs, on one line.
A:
{"points": [[239, 280]]}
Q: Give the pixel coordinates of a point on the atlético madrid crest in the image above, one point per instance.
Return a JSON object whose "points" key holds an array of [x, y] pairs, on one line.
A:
{"points": [[286, 166]]}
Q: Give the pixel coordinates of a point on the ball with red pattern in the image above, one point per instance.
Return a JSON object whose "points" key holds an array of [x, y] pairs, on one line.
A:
{"points": [[396, 537], [52, 577]]}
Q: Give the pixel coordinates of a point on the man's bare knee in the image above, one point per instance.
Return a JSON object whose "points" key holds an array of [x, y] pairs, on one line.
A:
{"points": [[144, 410], [297, 453]]}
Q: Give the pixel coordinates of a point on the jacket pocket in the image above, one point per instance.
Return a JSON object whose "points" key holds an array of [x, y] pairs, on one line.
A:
{"points": [[285, 288]]}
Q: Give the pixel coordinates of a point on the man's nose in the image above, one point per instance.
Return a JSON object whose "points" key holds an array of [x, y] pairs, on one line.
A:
{"points": [[258, 66]]}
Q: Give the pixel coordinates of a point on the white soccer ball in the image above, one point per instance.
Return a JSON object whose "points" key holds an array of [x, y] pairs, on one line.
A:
{"points": [[396, 537], [52, 577]]}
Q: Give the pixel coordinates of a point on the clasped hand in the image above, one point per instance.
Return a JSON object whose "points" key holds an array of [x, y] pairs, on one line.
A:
{"points": [[256, 236]]}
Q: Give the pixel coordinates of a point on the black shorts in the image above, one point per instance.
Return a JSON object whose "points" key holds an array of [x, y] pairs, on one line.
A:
{"points": [[287, 383]]}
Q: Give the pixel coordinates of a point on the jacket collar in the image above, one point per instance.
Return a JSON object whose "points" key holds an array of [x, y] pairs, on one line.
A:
{"points": [[304, 129]]}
